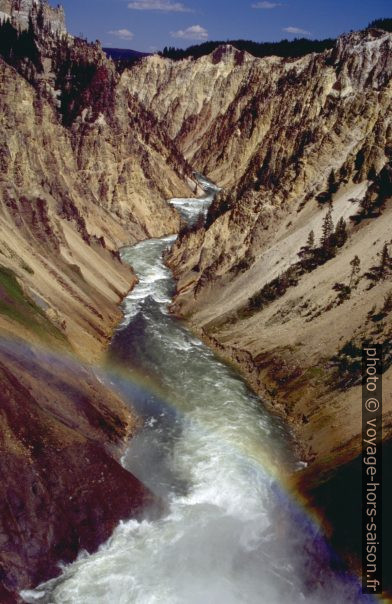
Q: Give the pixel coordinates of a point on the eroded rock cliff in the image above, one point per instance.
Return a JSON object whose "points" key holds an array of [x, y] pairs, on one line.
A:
{"points": [[20, 12]]}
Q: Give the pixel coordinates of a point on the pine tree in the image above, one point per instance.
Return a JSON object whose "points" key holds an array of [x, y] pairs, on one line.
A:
{"points": [[385, 262], [328, 240], [355, 270], [311, 240], [366, 205], [383, 269], [40, 18], [343, 173], [306, 251], [327, 229], [332, 183], [340, 233], [372, 174], [359, 160]]}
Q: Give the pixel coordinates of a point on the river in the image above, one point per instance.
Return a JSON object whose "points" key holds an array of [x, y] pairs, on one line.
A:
{"points": [[230, 532]]}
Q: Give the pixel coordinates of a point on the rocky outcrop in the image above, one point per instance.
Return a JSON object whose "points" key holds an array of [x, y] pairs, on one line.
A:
{"points": [[20, 11], [189, 97], [296, 139]]}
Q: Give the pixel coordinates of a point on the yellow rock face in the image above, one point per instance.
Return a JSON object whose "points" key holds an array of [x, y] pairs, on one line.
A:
{"points": [[71, 199]]}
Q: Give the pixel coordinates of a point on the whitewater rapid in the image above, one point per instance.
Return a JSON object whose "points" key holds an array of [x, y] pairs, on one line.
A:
{"points": [[230, 533]]}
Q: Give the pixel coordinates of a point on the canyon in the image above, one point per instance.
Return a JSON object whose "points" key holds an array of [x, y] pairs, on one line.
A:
{"points": [[89, 157]]}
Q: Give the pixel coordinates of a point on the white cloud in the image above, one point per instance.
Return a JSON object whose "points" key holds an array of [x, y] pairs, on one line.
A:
{"points": [[266, 5], [166, 6], [296, 30], [195, 32], [123, 34]]}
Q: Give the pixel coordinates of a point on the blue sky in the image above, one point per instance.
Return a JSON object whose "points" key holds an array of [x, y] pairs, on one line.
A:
{"points": [[150, 25]]}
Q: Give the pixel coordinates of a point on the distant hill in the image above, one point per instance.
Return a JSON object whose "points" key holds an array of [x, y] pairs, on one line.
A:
{"points": [[298, 47], [285, 48], [124, 54]]}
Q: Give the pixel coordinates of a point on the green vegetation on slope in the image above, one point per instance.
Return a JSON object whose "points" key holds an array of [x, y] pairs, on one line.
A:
{"points": [[17, 306], [385, 24]]}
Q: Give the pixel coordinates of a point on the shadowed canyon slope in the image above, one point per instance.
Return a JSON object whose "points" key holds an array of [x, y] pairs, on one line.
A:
{"points": [[289, 140], [64, 490]]}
